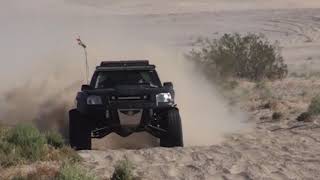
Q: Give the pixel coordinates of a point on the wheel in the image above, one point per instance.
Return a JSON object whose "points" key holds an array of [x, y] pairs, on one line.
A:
{"points": [[79, 131], [174, 136]]}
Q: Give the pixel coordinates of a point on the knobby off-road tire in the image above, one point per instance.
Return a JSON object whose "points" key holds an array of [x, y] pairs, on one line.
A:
{"points": [[79, 131], [174, 136]]}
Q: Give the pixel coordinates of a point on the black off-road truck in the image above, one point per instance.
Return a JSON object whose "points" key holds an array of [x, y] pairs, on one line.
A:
{"points": [[125, 97]]}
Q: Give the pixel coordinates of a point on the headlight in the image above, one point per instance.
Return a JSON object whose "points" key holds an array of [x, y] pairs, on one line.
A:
{"points": [[164, 98], [94, 100]]}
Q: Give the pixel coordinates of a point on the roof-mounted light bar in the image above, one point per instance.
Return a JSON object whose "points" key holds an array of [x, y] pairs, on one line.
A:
{"points": [[124, 63]]}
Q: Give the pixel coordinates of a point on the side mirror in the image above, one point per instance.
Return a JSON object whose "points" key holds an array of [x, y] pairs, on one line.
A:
{"points": [[168, 84], [85, 87]]}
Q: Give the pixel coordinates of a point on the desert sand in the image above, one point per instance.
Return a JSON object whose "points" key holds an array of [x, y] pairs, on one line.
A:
{"points": [[283, 149]]}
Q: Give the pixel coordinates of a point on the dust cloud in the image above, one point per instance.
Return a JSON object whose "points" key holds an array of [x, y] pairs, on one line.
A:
{"points": [[206, 116], [42, 66]]}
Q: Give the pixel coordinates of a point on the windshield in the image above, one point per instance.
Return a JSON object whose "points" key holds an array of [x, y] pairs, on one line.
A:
{"points": [[111, 79]]}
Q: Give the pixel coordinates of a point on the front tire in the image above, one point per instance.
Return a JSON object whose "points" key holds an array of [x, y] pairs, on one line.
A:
{"points": [[174, 135], [79, 131]]}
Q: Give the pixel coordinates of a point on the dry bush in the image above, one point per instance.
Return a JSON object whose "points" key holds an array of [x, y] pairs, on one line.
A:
{"points": [[54, 139], [251, 57], [9, 156], [123, 171], [65, 154], [277, 115], [304, 117], [28, 141], [22, 143], [41, 173], [314, 107], [70, 171], [25, 144]]}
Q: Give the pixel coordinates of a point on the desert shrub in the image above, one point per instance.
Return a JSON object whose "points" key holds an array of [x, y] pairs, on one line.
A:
{"points": [[66, 154], [314, 107], [304, 117], [19, 177], [9, 155], [39, 173], [251, 56], [28, 141], [276, 115], [19, 144], [70, 155], [71, 171], [123, 171], [25, 144], [55, 139]]}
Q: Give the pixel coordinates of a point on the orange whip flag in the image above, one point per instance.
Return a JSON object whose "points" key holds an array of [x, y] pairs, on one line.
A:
{"points": [[86, 56], [81, 43]]}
